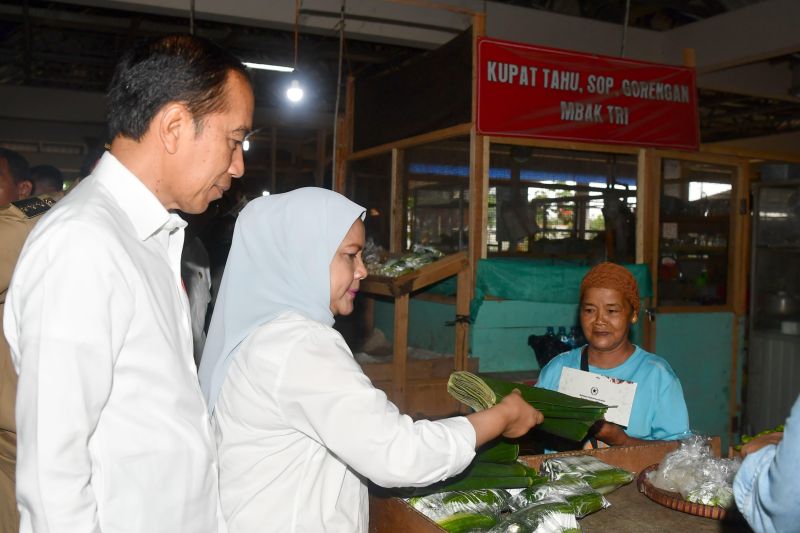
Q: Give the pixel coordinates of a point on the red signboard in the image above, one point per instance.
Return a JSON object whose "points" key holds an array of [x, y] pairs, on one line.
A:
{"points": [[532, 91]]}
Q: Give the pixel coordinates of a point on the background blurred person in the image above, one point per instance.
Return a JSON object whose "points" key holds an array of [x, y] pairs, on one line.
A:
{"points": [[46, 179], [15, 177]]}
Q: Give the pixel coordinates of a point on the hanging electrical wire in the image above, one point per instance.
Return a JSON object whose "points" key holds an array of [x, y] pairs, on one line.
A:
{"points": [[191, 17], [338, 90], [625, 27]]}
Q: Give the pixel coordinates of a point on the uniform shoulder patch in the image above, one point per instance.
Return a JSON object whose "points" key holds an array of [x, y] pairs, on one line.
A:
{"points": [[34, 206]]}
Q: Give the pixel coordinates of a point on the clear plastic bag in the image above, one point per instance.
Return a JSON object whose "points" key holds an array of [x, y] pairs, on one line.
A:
{"points": [[601, 476], [441, 505], [694, 472], [583, 499], [552, 514]]}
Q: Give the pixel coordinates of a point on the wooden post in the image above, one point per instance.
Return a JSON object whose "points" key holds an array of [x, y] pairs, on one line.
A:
{"points": [[478, 167], [344, 139], [740, 252], [397, 196], [462, 312], [647, 231], [400, 355]]}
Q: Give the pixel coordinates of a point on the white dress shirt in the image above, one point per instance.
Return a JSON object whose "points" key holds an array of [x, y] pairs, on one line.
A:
{"points": [[299, 426], [113, 432]]}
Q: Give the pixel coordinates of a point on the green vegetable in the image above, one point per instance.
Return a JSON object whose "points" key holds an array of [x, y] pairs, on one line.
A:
{"points": [[748, 438], [500, 452], [551, 515], [564, 416], [463, 522], [492, 498], [479, 469], [583, 499], [475, 482], [599, 475]]}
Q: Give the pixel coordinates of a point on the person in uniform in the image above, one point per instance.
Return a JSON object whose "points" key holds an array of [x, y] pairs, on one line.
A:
{"points": [[16, 221], [112, 431], [15, 177]]}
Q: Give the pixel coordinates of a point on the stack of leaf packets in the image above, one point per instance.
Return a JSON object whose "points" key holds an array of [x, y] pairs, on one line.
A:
{"points": [[547, 502], [564, 416], [494, 467]]}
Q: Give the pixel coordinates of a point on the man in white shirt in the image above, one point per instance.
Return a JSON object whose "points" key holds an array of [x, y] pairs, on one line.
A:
{"points": [[113, 433]]}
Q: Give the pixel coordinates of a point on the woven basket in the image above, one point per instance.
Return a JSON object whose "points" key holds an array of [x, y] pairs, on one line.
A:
{"points": [[674, 500]]}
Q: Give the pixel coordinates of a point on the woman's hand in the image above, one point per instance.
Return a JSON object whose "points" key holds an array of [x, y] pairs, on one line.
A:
{"points": [[512, 417], [522, 417], [610, 433], [759, 442]]}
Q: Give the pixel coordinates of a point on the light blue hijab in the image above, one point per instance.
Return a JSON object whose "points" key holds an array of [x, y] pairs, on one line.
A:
{"points": [[279, 261]]}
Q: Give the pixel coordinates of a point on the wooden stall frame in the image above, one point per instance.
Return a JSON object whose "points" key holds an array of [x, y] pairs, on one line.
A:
{"points": [[400, 289], [648, 190]]}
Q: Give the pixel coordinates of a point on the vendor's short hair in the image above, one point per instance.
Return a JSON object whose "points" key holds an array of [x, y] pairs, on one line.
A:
{"points": [[173, 68], [613, 276]]}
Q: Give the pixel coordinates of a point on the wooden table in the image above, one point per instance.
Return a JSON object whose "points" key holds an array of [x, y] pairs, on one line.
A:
{"points": [[633, 512]]}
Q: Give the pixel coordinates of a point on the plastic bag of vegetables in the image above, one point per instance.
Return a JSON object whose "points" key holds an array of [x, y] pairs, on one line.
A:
{"points": [[463, 510], [583, 499], [694, 472], [601, 476], [551, 514]]}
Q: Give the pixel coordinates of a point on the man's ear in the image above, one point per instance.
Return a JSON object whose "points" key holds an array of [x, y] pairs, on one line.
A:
{"points": [[174, 121], [24, 189]]}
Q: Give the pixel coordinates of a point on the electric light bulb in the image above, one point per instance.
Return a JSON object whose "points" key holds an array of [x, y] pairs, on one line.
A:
{"points": [[295, 92]]}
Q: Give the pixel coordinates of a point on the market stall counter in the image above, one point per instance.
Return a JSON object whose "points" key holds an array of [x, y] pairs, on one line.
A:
{"points": [[630, 511]]}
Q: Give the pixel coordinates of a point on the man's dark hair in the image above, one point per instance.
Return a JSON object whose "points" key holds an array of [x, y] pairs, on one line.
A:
{"points": [[173, 68], [17, 165], [43, 175]]}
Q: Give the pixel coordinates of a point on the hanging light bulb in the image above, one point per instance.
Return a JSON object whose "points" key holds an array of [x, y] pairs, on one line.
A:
{"points": [[246, 145], [294, 93]]}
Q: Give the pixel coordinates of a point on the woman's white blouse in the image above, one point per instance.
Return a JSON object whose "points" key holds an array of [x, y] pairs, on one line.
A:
{"points": [[300, 428]]}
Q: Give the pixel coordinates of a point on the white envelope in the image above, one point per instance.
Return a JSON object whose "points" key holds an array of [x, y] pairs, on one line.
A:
{"points": [[616, 393]]}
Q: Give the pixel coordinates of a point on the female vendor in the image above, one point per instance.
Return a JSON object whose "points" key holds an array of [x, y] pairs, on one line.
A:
{"points": [[299, 426], [609, 305]]}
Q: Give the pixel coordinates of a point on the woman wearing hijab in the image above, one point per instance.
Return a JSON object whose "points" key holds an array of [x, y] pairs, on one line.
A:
{"points": [[299, 426], [609, 305]]}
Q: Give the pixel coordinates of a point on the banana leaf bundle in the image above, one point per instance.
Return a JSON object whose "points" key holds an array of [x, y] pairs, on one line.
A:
{"points": [[564, 416]]}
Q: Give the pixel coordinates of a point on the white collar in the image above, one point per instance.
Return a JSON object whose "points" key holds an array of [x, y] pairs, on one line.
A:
{"points": [[144, 210]]}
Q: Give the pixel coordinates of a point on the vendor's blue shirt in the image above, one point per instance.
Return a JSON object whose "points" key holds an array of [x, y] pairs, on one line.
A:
{"points": [[767, 485], [659, 410]]}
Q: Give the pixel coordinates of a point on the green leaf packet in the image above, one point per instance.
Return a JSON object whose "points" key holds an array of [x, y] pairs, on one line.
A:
{"points": [[442, 505], [601, 476], [583, 499], [552, 514]]}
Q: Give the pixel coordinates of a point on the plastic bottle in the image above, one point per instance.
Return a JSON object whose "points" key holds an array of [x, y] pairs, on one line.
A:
{"points": [[572, 339], [550, 331], [562, 335]]}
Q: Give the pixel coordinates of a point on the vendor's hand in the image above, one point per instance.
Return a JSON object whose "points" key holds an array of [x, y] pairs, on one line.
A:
{"points": [[610, 433], [522, 417], [759, 442]]}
